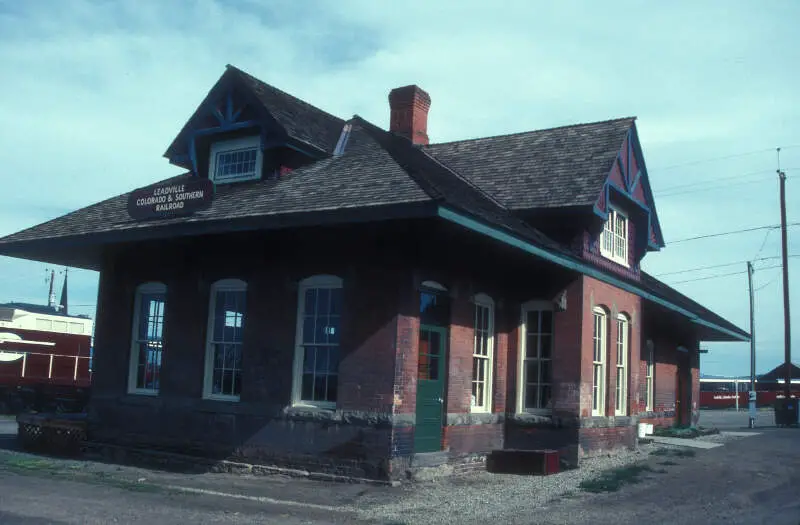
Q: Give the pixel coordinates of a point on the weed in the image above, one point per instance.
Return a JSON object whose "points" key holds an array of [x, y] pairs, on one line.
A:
{"points": [[612, 480], [674, 453]]}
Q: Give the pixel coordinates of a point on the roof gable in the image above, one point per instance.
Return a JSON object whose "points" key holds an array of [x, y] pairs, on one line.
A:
{"points": [[240, 101], [627, 181], [550, 168]]}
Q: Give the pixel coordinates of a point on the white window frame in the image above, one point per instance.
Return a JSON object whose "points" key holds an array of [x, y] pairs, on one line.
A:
{"points": [[599, 351], [226, 146], [616, 238], [316, 281], [486, 360], [621, 369], [522, 382], [223, 285], [133, 364], [650, 365]]}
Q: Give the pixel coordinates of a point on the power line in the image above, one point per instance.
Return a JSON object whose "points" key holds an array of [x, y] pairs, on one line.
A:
{"points": [[725, 233], [720, 275], [763, 243], [724, 157], [711, 267], [670, 189], [767, 283]]}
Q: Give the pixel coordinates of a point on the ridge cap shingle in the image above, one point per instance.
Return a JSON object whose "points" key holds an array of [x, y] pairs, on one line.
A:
{"points": [[531, 131]]}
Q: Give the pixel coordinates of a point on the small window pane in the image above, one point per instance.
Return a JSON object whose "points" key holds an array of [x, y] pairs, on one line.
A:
{"points": [[547, 322], [545, 346], [533, 321]]}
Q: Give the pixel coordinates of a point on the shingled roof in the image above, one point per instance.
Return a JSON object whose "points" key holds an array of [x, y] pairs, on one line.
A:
{"points": [[381, 174], [376, 169], [564, 166], [300, 120]]}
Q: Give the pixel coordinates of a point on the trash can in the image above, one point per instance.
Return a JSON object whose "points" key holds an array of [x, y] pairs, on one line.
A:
{"points": [[786, 412]]}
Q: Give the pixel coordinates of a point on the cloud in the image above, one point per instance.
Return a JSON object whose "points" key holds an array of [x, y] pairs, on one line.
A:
{"points": [[94, 92]]}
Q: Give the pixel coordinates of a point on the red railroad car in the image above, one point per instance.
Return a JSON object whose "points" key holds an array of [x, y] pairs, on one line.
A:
{"points": [[45, 359]]}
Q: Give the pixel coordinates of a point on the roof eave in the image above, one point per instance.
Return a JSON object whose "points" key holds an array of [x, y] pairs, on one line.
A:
{"points": [[586, 269], [57, 250]]}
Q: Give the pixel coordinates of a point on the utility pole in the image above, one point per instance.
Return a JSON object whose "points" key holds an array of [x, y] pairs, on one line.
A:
{"points": [[787, 335], [752, 394]]}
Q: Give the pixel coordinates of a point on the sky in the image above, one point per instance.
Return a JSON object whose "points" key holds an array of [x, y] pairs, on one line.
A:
{"points": [[93, 92]]}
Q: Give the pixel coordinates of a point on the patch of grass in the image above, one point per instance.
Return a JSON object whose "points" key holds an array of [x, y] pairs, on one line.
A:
{"points": [[674, 452], [684, 431], [612, 480], [25, 463], [34, 466]]}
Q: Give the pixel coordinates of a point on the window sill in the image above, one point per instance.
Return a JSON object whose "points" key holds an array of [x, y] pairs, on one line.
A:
{"points": [[310, 405], [217, 397], [615, 260], [138, 392], [546, 412]]}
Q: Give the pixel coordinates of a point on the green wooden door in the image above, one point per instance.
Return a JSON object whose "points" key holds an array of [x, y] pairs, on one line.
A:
{"points": [[430, 389]]}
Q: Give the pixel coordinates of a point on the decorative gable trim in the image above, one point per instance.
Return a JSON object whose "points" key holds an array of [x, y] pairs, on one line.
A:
{"points": [[628, 178], [231, 106]]}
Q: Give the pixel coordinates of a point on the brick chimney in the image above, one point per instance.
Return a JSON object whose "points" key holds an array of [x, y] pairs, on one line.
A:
{"points": [[409, 113]]}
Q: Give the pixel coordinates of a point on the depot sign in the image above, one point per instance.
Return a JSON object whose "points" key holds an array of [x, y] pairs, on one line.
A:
{"points": [[171, 200]]}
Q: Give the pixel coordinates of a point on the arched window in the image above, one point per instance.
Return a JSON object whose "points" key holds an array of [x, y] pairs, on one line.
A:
{"points": [[623, 347], [147, 340], [600, 342], [319, 311], [226, 318], [483, 354]]}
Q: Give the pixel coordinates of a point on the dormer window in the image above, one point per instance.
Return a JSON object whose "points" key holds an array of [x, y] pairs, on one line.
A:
{"points": [[235, 160], [614, 239]]}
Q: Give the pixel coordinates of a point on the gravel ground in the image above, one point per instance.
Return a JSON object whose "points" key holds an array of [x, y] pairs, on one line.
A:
{"points": [[479, 497], [741, 482]]}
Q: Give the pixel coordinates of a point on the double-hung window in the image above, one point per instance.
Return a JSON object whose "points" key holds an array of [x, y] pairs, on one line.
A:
{"points": [[614, 239], [599, 362], [226, 319], [621, 388], [649, 369], [482, 354], [147, 343], [235, 160], [537, 352], [319, 311]]}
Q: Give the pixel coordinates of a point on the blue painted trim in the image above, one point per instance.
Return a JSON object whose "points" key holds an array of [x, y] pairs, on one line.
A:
{"points": [[582, 268], [193, 155], [600, 213], [628, 180], [227, 127], [648, 193], [219, 116], [238, 112], [229, 107], [636, 181], [629, 196]]}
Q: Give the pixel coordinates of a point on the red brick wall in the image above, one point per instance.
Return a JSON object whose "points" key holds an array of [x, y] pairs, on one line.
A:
{"points": [[459, 373], [667, 359], [614, 301]]}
